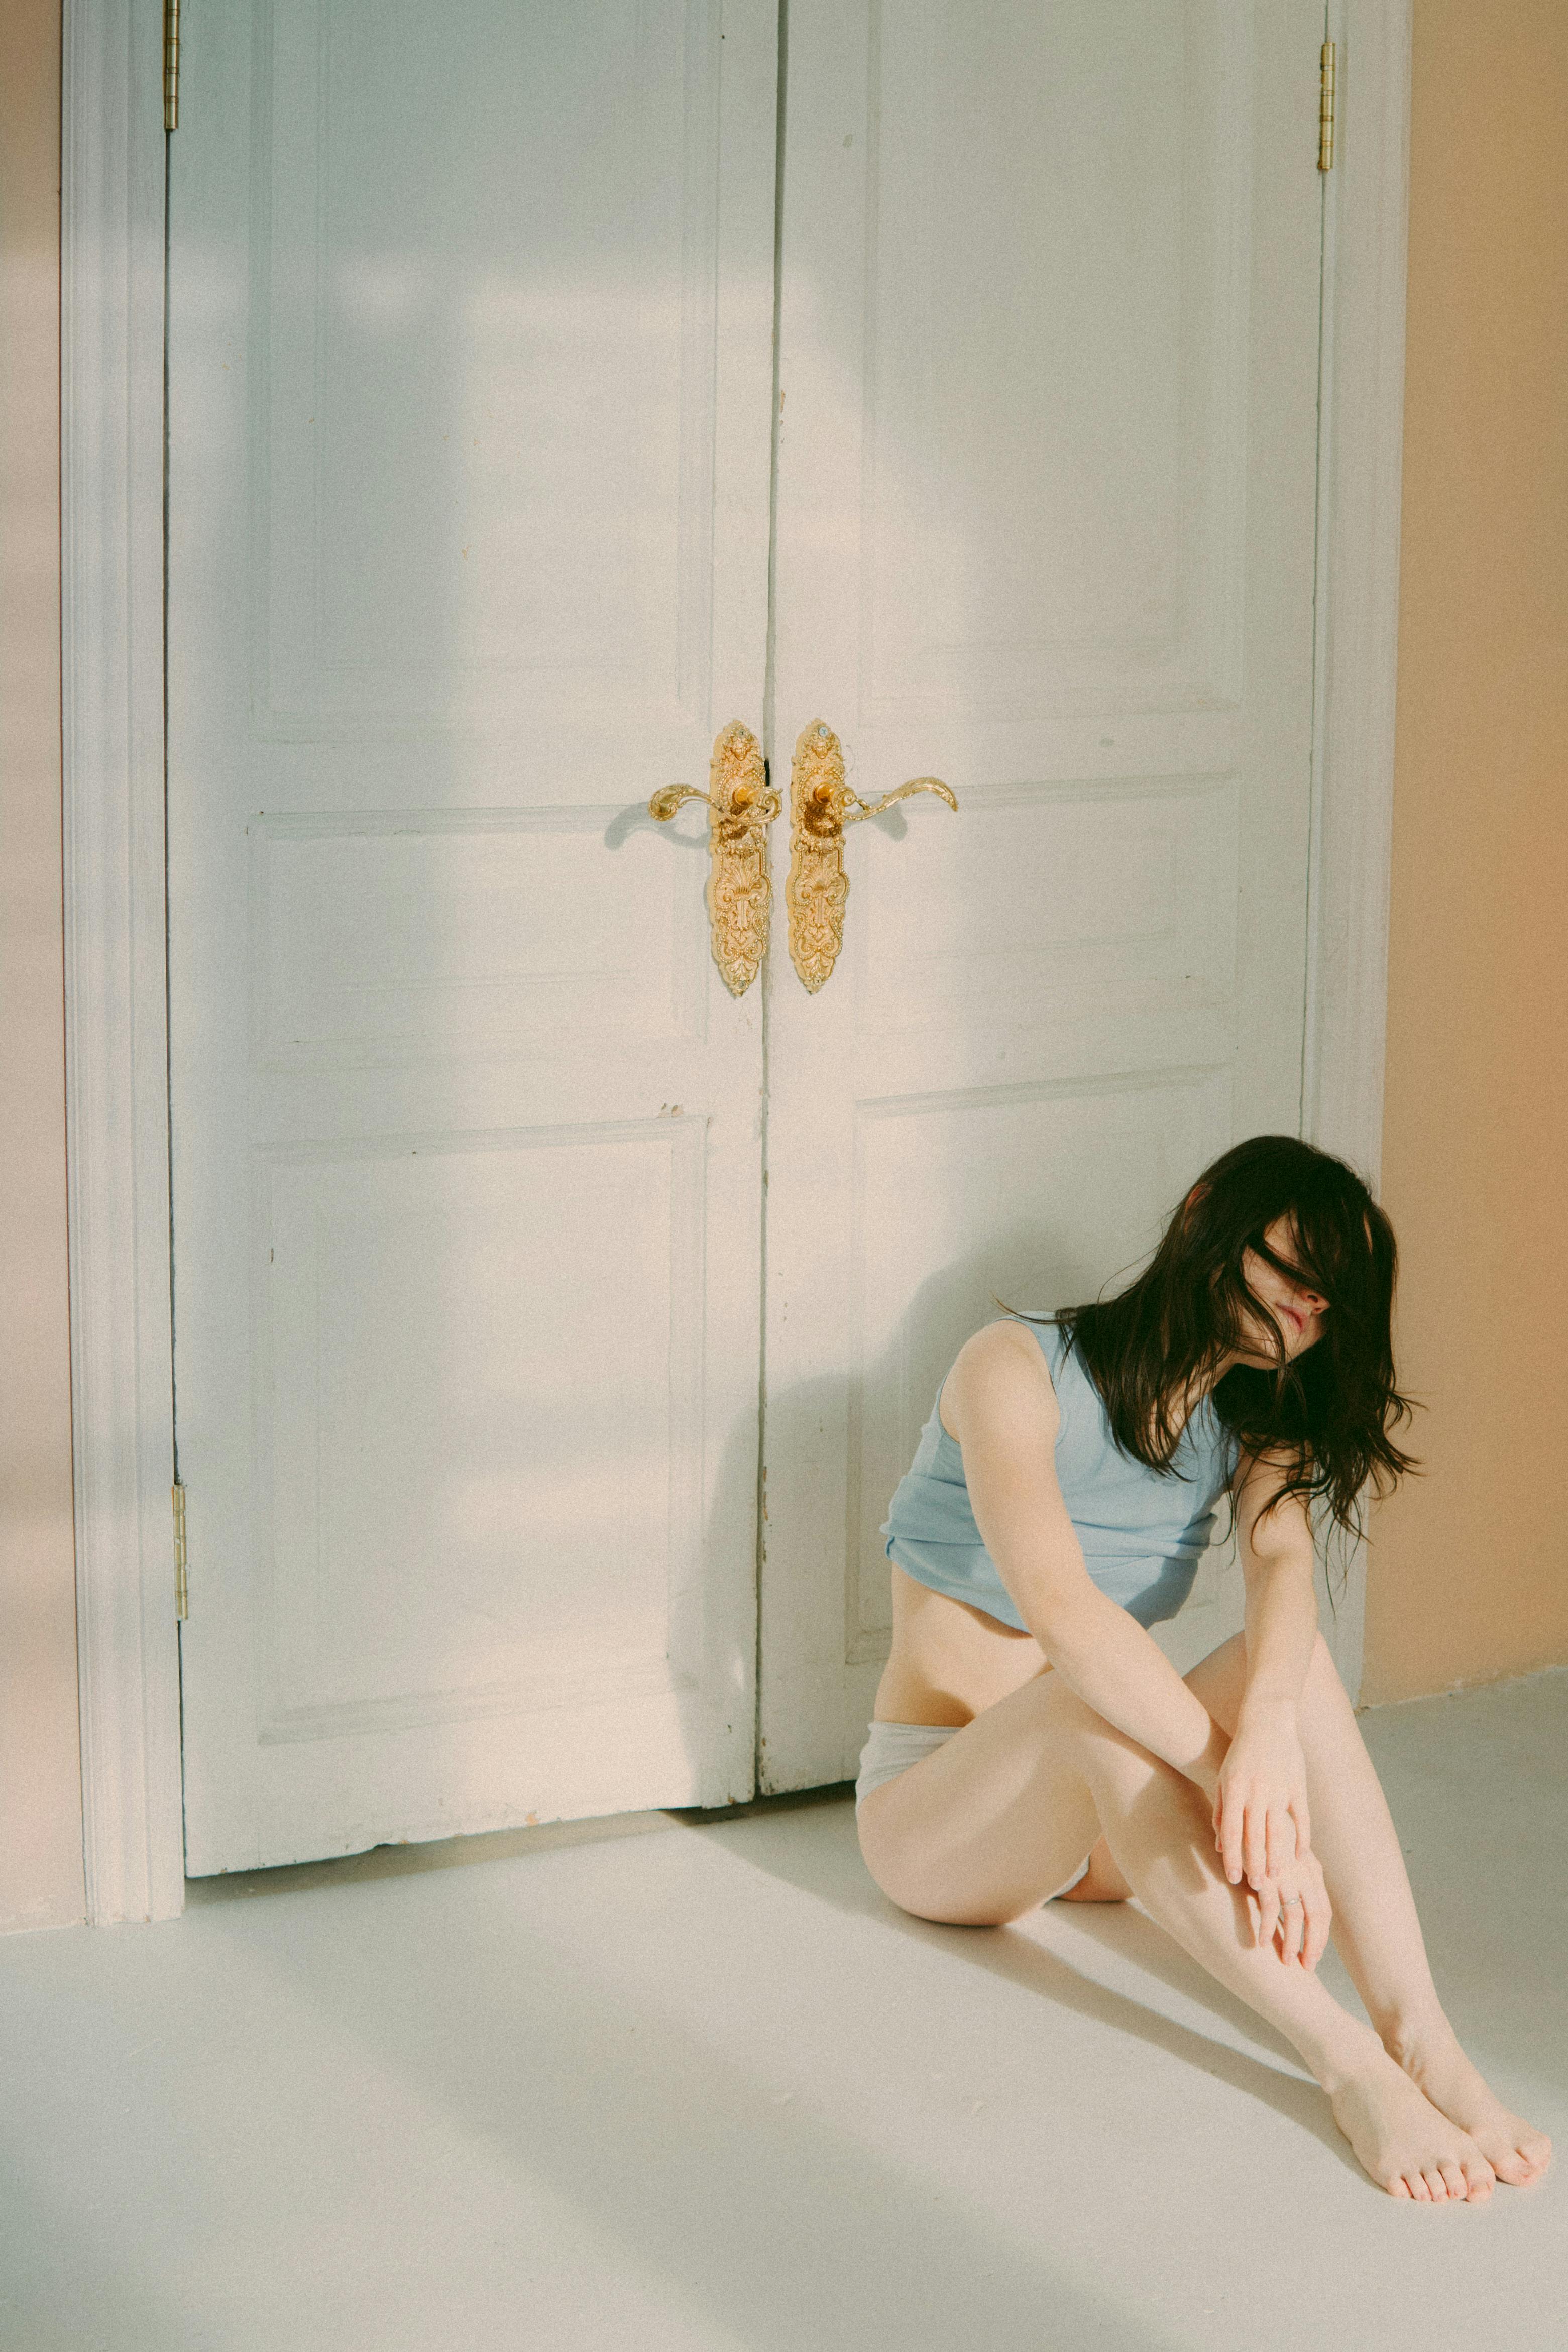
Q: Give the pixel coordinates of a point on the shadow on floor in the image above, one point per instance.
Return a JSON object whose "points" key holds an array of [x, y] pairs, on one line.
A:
{"points": [[781, 2228], [834, 1873]]}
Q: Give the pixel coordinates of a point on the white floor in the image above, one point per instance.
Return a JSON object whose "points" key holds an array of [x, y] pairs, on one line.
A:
{"points": [[666, 2087]]}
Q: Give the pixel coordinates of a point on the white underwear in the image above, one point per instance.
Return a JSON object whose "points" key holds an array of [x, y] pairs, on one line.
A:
{"points": [[892, 1747]]}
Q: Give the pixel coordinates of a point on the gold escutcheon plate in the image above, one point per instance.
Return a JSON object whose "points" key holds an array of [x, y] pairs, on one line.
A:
{"points": [[821, 805], [741, 807], [817, 886]]}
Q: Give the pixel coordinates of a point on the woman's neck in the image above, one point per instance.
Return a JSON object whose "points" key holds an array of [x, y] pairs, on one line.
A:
{"points": [[1200, 1386]]}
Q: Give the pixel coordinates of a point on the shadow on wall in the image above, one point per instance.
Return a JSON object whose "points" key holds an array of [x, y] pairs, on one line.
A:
{"points": [[828, 1494]]}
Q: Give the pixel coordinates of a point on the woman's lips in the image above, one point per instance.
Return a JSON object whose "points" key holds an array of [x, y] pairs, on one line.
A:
{"points": [[1295, 1318]]}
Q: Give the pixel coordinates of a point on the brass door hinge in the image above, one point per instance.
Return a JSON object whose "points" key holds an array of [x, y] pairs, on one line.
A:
{"points": [[181, 1589], [171, 65], [1325, 109]]}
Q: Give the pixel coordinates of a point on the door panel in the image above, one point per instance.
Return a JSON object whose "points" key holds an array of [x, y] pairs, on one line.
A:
{"points": [[1047, 481], [482, 255], [1053, 358], [470, 318]]}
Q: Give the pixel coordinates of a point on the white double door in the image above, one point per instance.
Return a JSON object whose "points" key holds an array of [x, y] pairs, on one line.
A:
{"points": [[508, 1244]]}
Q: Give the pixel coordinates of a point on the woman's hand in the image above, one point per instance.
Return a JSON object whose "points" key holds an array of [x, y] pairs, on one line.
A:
{"points": [[1292, 1911], [1260, 1818]]}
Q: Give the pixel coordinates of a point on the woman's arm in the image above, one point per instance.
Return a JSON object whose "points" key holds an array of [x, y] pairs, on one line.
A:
{"points": [[1002, 1408], [1260, 1810], [1278, 1562]]}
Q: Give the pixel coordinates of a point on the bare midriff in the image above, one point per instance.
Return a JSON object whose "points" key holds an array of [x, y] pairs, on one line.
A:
{"points": [[950, 1661]]}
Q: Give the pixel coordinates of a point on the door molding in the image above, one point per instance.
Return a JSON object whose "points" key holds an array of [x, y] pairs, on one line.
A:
{"points": [[112, 205], [1361, 432], [117, 1171]]}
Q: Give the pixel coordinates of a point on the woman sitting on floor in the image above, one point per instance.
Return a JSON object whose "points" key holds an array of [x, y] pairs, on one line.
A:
{"points": [[1029, 1738]]}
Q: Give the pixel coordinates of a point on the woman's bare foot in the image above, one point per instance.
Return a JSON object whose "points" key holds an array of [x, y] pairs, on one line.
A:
{"points": [[1432, 2058], [1400, 2138]]}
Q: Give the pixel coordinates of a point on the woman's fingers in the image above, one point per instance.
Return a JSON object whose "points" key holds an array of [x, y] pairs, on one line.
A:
{"points": [[1255, 1844], [1290, 1909], [1281, 1839], [1302, 1820], [1319, 1920], [1265, 1899], [1256, 1840], [1292, 1930]]}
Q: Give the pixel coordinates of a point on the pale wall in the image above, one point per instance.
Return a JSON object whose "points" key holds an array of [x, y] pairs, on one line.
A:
{"points": [[40, 1778], [1468, 1575], [1469, 1565]]}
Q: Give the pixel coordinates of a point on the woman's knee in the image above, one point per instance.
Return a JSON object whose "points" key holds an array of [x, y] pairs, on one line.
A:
{"points": [[1072, 1716], [1095, 1737], [1220, 1679], [1323, 1686], [1321, 1661]]}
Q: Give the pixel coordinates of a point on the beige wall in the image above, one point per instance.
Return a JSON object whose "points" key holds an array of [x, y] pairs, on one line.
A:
{"points": [[1468, 1572], [40, 1779]]}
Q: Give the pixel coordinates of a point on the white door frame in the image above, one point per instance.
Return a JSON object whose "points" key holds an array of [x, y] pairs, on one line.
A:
{"points": [[112, 204]]}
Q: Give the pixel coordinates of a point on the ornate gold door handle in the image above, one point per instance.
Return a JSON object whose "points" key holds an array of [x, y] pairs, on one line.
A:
{"points": [[821, 805], [740, 893]]}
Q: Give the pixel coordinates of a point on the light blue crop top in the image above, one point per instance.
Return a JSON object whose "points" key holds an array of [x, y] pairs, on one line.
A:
{"points": [[1142, 1533]]}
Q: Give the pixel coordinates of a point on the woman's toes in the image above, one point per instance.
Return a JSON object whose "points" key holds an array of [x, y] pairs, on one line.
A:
{"points": [[1479, 2178], [1454, 2181], [1418, 2189], [1436, 2185], [1400, 2187], [1519, 2166]]}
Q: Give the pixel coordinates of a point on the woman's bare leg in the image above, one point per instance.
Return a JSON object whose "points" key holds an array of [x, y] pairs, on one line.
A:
{"points": [[987, 1825], [1377, 1930]]}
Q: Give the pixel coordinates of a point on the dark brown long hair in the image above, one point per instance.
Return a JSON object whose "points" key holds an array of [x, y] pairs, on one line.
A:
{"points": [[1328, 1411]]}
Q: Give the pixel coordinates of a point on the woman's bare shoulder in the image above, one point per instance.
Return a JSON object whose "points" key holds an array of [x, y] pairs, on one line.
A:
{"points": [[1001, 1369]]}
